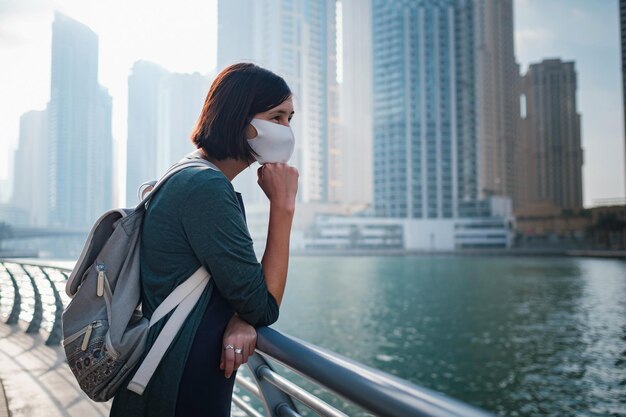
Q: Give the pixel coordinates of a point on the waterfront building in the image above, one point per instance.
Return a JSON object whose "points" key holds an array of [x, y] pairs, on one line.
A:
{"points": [[80, 140], [443, 105], [550, 156], [423, 138], [390, 234], [143, 106], [440, 112], [30, 168], [497, 97], [355, 181], [14, 216], [544, 225]]}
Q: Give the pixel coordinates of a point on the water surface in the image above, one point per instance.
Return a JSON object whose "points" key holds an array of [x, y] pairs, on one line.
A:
{"points": [[516, 336]]}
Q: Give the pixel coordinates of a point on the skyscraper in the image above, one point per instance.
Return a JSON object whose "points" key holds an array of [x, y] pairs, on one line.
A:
{"points": [[30, 169], [143, 107], [296, 40], [497, 96], [317, 79], [424, 130], [80, 142], [180, 101], [550, 153], [355, 97], [443, 105]]}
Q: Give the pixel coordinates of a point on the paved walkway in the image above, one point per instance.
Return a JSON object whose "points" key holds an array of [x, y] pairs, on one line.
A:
{"points": [[37, 381], [4, 410]]}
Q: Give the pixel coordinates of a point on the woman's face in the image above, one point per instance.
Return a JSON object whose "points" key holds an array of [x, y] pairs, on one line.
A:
{"points": [[280, 114]]}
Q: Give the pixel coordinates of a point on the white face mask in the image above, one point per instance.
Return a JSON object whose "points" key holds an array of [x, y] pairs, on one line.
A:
{"points": [[273, 142]]}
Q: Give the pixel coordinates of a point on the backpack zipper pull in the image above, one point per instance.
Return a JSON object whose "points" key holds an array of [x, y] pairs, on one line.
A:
{"points": [[85, 343], [100, 287]]}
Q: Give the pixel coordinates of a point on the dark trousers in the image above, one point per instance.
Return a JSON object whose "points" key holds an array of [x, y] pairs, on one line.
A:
{"points": [[204, 391]]}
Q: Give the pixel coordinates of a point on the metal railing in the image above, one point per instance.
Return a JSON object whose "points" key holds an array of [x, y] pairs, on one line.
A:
{"points": [[35, 292]]}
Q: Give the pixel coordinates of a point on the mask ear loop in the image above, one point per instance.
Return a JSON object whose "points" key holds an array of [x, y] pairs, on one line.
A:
{"points": [[256, 129], [256, 135]]}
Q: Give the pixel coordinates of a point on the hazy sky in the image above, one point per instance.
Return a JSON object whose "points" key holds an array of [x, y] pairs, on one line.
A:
{"points": [[181, 36]]}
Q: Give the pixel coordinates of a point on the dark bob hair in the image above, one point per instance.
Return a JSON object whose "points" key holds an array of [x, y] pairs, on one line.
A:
{"points": [[238, 93]]}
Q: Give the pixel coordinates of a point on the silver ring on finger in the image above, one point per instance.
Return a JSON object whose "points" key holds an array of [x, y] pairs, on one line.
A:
{"points": [[238, 350], [229, 346]]}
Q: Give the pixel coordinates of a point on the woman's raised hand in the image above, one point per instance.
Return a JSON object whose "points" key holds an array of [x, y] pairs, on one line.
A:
{"points": [[279, 182], [240, 335]]}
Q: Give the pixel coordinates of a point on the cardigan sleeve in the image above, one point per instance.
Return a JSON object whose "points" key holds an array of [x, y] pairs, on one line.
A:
{"points": [[218, 235]]}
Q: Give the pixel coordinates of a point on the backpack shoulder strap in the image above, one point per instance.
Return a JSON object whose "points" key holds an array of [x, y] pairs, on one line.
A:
{"points": [[184, 301], [187, 162]]}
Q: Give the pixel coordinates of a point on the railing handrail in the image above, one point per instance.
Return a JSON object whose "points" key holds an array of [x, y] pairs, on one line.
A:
{"points": [[373, 390]]}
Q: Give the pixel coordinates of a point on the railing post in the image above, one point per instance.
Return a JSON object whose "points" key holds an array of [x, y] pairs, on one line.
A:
{"points": [[56, 334], [273, 398], [14, 316], [35, 323]]}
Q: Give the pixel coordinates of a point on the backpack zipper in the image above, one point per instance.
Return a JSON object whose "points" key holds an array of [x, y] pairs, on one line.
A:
{"points": [[100, 286], [87, 329], [85, 343]]}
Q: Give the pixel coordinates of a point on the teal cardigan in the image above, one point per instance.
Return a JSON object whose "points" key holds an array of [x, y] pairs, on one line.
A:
{"points": [[195, 219]]}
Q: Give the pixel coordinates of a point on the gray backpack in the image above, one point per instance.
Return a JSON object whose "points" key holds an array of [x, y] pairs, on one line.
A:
{"points": [[104, 331]]}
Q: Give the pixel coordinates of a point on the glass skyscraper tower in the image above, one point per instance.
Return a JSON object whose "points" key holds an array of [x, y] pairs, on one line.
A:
{"points": [[439, 145], [424, 132]]}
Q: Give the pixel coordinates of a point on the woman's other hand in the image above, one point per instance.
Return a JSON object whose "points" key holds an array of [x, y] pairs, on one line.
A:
{"points": [[279, 182], [241, 335]]}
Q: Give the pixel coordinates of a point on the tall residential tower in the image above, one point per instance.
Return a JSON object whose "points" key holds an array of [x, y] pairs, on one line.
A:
{"points": [[30, 169], [355, 98], [80, 141], [550, 156], [444, 101], [143, 106]]}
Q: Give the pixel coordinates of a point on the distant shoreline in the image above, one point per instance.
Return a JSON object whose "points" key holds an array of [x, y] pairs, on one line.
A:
{"points": [[467, 252], [539, 253]]}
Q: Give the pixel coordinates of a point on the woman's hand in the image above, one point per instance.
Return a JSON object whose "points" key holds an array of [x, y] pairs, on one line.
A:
{"points": [[241, 335], [279, 182]]}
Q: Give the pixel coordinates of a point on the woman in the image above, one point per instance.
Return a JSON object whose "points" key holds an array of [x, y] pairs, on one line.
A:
{"points": [[197, 219]]}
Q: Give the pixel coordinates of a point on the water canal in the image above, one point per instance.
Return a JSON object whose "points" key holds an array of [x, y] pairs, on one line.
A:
{"points": [[516, 336]]}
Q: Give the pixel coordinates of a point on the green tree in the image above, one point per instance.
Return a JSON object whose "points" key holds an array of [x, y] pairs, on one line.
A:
{"points": [[609, 230]]}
